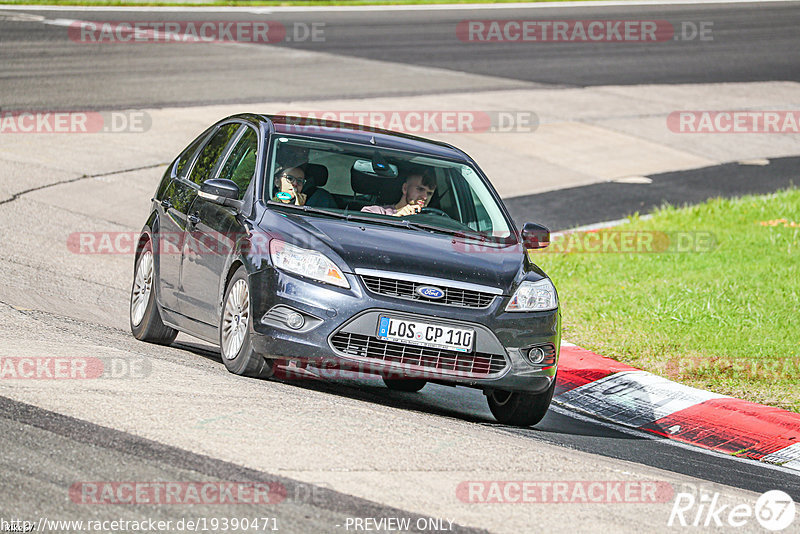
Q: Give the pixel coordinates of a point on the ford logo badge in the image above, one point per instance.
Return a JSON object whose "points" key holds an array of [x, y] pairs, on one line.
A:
{"points": [[430, 292]]}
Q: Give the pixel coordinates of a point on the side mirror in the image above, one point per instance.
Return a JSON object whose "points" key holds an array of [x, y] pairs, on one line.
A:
{"points": [[222, 192], [535, 235]]}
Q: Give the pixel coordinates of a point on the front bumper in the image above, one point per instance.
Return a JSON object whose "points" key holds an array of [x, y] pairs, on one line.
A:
{"points": [[331, 313]]}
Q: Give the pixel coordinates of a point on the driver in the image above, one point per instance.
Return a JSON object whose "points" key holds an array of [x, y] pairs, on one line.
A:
{"points": [[417, 192]]}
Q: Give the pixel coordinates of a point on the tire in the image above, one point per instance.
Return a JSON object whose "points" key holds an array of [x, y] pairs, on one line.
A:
{"points": [[409, 385], [519, 409], [145, 320], [235, 340]]}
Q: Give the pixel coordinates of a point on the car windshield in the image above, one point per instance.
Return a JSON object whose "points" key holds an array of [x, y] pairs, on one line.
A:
{"points": [[372, 184]]}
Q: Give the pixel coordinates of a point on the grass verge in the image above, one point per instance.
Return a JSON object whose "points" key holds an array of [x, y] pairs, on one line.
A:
{"points": [[708, 295]]}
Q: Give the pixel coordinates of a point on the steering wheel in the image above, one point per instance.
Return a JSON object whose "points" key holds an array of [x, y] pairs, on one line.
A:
{"points": [[434, 211]]}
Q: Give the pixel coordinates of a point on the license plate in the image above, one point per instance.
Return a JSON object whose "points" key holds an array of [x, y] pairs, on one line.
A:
{"points": [[425, 334]]}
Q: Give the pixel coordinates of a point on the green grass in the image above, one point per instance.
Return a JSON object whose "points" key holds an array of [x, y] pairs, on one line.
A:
{"points": [[252, 3], [726, 320]]}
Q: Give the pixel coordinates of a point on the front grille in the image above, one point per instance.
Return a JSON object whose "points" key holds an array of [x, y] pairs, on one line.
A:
{"points": [[404, 289], [474, 365]]}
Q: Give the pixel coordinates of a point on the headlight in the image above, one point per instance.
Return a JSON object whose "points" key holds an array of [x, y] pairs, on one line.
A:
{"points": [[305, 262], [534, 296]]}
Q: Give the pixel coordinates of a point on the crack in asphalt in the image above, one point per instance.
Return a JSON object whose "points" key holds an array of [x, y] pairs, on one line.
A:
{"points": [[31, 314], [17, 195], [56, 273], [11, 307], [118, 338]]}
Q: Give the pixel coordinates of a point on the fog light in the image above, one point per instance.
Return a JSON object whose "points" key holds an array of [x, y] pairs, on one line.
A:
{"points": [[536, 355], [295, 320]]}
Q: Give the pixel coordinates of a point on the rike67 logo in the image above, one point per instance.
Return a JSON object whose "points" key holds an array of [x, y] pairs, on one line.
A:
{"points": [[774, 511]]}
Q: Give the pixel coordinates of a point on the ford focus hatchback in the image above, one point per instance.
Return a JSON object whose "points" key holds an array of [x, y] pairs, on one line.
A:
{"points": [[336, 245]]}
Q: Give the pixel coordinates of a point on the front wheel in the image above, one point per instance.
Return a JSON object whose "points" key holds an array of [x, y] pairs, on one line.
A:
{"points": [[235, 341], [519, 409], [146, 324]]}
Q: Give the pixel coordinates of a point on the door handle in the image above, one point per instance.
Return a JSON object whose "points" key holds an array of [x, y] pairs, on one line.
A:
{"points": [[194, 219], [166, 204]]}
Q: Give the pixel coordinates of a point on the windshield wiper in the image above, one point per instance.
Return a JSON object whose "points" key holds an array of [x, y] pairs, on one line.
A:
{"points": [[503, 241], [309, 209], [399, 223], [448, 231]]}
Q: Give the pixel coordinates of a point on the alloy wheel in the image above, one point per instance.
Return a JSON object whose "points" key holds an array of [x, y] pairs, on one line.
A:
{"points": [[235, 319], [142, 286]]}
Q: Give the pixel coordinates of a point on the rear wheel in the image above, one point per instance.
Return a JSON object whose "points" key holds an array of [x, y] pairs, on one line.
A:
{"points": [[235, 340], [145, 320], [520, 409], [410, 385]]}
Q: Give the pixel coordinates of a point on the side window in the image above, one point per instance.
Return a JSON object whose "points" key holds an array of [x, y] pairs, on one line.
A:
{"points": [[241, 164], [445, 191], [484, 221], [480, 219], [207, 159], [182, 165]]}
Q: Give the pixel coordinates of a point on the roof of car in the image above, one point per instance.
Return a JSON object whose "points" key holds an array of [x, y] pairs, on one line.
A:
{"points": [[357, 133]]}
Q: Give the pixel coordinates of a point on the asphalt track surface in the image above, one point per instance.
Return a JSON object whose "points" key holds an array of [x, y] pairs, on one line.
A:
{"points": [[97, 453], [45, 70], [44, 450], [610, 201]]}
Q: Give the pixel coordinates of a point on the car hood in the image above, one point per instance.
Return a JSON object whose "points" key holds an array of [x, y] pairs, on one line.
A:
{"points": [[385, 248]]}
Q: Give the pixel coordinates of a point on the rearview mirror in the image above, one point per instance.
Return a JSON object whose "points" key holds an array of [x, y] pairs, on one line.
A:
{"points": [[377, 167], [222, 192], [535, 235]]}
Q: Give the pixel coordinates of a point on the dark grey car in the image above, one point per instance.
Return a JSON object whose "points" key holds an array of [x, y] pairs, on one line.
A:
{"points": [[447, 294]]}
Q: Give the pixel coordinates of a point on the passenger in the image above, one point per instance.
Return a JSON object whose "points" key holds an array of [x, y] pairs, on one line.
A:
{"points": [[289, 186], [417, 192]]}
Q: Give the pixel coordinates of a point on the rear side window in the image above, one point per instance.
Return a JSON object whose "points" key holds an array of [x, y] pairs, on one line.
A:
{"points": [[241, 163], [210, 154], [182, 165]]}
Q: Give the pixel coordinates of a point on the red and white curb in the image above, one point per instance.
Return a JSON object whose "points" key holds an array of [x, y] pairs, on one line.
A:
{"points": [[606, 389]]}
